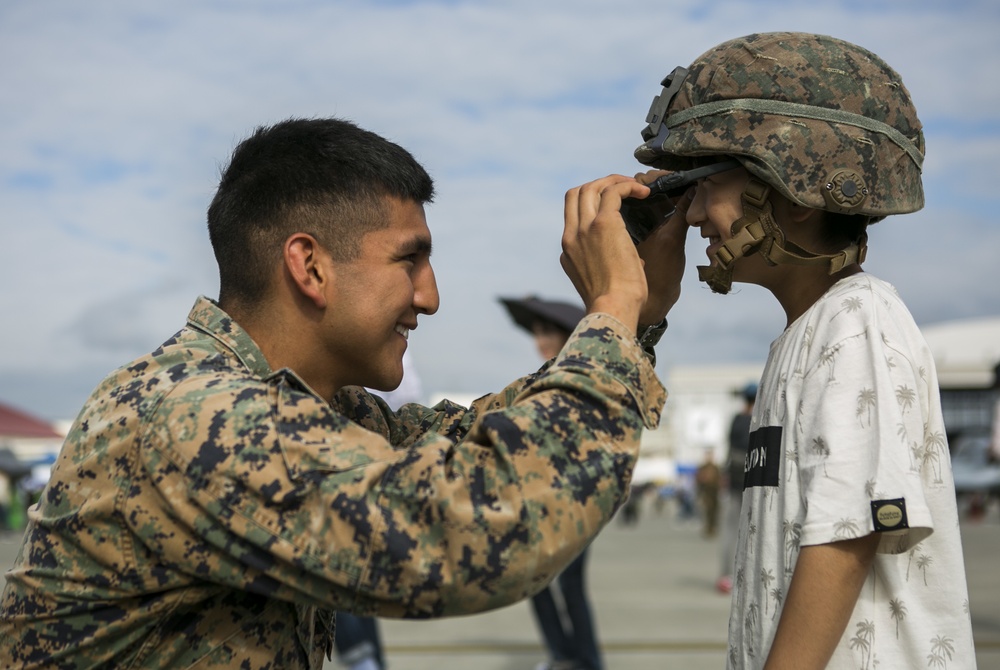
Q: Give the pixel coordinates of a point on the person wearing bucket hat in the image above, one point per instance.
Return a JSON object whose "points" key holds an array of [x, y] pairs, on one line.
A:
{"points": [[847, 483], [739, 442], [569, 634], [549, 322]]}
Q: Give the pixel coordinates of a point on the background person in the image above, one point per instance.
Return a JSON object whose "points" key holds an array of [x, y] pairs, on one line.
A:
{"points": [[739, 443], [994, 452], [708, 481]]}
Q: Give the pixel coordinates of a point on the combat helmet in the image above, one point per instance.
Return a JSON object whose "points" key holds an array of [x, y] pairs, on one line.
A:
{"points": [[826, 123]]}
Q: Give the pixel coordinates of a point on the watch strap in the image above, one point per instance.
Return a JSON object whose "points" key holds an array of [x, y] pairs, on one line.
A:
{"points": [[649, 337]]}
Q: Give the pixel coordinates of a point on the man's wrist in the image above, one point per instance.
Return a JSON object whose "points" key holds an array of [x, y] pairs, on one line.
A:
{"points": [[624, 312]]}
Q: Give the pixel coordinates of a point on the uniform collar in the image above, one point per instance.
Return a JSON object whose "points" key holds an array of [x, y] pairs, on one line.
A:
{"points": [[207, 317]]}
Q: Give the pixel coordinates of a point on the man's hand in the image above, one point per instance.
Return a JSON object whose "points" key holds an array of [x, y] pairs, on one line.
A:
{"points": [[663, 255], [598, 255]]}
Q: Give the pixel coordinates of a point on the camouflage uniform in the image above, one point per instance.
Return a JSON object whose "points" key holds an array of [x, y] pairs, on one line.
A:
{"points": [[209, 511]]}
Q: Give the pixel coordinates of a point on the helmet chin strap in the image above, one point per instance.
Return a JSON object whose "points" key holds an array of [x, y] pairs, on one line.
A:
{"points": [[757, 231]]}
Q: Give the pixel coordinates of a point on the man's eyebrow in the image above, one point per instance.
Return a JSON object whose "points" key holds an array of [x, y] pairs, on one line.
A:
{"points": [[420, 245]]}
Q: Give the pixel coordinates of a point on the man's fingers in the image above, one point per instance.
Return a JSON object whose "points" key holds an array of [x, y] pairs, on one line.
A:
{"points": [[684, 201], [649, 176], [597, 201], [598, 255]]}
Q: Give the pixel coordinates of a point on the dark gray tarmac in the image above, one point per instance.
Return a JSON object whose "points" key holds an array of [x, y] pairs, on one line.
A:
{"points": [[652, 589]]}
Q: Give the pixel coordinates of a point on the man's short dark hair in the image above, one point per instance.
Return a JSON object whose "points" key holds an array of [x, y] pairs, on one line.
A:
{"points": [[325, 177]]}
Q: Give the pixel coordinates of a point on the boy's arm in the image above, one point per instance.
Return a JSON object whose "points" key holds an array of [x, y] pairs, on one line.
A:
{"points": [[821, 596]]}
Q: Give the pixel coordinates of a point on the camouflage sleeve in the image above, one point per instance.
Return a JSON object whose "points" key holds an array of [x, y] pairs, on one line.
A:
{"points": [[309, 506], [411, 422]]}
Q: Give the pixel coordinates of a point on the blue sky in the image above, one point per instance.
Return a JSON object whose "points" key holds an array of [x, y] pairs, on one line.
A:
{"points": [[118, 115]]}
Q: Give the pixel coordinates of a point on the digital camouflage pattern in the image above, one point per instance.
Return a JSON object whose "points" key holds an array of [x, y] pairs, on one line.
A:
{"points": [[796, 108], [207, 511]]}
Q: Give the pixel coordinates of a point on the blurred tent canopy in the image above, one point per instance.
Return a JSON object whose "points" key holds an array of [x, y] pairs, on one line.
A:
{"points": [[16, 425]]}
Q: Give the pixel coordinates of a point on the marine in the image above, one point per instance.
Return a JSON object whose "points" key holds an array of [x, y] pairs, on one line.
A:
{"points": [[219, 498]]}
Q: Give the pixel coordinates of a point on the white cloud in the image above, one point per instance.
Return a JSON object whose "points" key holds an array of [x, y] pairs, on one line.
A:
{"points": [[117, 116]]}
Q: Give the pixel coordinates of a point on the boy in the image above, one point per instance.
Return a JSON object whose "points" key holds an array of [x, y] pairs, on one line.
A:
{"points": [[849, 553]]}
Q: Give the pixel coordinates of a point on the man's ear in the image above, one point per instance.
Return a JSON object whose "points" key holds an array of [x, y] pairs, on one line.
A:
{"points": [[305, 261]]}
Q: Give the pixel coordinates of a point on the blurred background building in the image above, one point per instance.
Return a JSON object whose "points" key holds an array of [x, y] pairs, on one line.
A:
{"points": [[967, 356]]}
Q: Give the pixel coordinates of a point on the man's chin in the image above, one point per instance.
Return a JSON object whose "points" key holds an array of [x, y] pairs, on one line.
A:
{"points": [[387, 383]]}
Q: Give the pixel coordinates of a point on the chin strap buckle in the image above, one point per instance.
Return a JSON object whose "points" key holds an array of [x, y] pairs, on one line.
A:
{"points": [[747, 236]]}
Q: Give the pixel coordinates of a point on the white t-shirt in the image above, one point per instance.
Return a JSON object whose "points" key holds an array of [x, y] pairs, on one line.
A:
{"points": [[847, 439]]}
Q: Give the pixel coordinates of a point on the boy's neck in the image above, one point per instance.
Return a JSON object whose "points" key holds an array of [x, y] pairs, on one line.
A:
{"points": [[802, 290]]}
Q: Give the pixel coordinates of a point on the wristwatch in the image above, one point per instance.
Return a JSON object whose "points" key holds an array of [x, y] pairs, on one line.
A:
{"points": [[649, 336]]}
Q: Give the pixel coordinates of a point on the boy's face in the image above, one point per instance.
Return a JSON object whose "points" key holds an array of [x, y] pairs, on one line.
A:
{"points": [[716, 206], [376, 297]]}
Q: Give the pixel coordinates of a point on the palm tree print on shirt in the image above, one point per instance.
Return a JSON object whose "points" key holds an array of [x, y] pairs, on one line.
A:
{"points": [[782, 409], [914, 450], [941, 646], [779, 597], [863, 637], [823, 451], [866, 403], [750, 624], [870, 489], [791, 459], [935, 446], [845, 529], [828, 356], [905, 397], [792, 532], [897, 610], [766, 576], [852, 304], [807, 339], [923, 560]]}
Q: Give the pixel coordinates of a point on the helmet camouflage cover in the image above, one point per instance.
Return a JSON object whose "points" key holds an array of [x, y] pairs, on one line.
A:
{"points": [[825, 122]]}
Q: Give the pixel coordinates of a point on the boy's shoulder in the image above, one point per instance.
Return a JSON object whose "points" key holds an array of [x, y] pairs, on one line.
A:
{"points": [[861, 307], [861, 283], [861, 296]]}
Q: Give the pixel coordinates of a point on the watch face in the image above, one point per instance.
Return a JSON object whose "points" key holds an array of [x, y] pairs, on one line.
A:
{"points": [[649, 337], [653, 332]]}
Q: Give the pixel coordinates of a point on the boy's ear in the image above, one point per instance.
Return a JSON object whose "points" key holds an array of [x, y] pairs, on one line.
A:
{"points": [[793, 214], [307, 264], [800, 213]]}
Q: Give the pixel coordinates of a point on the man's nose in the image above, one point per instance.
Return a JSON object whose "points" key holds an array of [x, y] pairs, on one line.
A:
{"points": [[426, 299]]}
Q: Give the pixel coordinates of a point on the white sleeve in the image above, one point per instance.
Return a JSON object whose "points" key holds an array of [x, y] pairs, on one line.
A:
{"points": [[865, 457]]}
